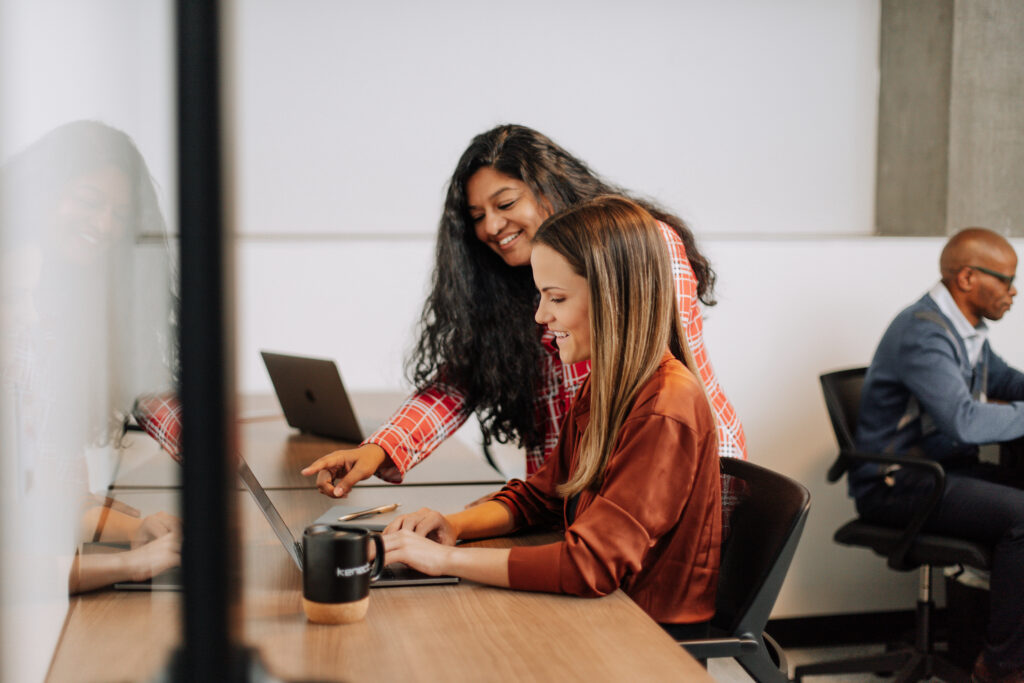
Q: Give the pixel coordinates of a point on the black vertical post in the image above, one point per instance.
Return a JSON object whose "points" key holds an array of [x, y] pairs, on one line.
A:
{"points": [[208, 649]]}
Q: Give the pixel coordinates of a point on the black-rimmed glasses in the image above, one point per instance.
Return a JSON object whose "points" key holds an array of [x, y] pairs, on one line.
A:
{"points": [[1005, 279]]}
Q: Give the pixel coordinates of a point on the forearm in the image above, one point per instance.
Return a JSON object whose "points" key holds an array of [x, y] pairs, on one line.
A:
{"points": [[419, 426], [114, 526], [483, 565], [931, 371], [89, 572], [482, 521]]}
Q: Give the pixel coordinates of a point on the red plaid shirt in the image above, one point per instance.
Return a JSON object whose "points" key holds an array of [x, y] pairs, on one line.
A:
{"points": [[160, 416], [429, 417]]}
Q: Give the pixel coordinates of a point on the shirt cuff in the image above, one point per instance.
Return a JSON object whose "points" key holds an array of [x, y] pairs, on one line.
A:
{"points": [[536, 568], [391, 470]]}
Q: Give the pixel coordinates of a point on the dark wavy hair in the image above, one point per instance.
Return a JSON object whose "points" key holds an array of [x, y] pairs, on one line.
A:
{"points": [[36, 176], [32, 183], [477, 332]]}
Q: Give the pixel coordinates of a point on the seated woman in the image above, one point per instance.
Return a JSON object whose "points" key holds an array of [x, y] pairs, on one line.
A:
{"points": [[634, 481]]}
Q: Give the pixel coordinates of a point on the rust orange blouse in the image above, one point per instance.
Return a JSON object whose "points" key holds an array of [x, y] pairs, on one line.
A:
{"points": [[653, 527]]}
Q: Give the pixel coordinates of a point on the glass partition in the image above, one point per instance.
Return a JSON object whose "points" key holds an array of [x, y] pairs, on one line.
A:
{"points": [[87, 324]]}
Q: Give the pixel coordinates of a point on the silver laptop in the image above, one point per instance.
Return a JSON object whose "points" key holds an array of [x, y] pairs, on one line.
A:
{"points": [[395, 574], [313, 396]]}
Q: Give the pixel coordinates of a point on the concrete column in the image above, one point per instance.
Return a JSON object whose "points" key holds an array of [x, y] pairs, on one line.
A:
{"points": [[951, 117]]}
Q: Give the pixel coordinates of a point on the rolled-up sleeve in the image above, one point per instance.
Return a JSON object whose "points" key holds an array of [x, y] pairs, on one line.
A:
{"points": [[418, 427]]}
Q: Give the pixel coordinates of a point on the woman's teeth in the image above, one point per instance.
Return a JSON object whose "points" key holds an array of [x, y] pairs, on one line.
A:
{"points": [[506, 240]]}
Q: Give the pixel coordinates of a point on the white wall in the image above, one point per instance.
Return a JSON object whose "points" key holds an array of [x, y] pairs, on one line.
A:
{"points": [[61, 61], [108, 60], [747, 116]]}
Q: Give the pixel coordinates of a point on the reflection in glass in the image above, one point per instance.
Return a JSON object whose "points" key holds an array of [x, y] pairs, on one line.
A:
{"points": [[86, 326]]}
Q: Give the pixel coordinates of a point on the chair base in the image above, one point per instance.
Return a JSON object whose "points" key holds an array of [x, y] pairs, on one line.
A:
{"points": [[906, 665], [912, 663]]}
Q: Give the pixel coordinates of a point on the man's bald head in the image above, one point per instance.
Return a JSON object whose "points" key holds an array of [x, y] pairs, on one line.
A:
{"points": [[978, 267], [972, 247]]}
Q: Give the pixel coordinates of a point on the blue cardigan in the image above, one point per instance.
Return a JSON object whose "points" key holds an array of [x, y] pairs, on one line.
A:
{"points": [[921, 394]]}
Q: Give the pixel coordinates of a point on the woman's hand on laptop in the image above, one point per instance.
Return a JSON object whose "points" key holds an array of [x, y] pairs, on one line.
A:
{"points": [[154, 526], [92, 571], [337, 472], [150, 559], [426, 522], [418, 552]]}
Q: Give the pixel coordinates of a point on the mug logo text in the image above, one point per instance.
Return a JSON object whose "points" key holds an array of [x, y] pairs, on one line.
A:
{"points": [[354, 571]]}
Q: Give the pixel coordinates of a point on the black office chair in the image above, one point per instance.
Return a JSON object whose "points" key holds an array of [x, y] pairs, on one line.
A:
{"points": [[765, 513], [905, 548]]}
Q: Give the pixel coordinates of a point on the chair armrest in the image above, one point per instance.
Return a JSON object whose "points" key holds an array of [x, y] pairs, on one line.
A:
{"points": [[712, 648], [898, 556]]}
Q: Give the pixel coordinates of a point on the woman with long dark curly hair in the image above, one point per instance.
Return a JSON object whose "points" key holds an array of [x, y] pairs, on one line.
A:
{"points": [[479, 349], [83, 331]]}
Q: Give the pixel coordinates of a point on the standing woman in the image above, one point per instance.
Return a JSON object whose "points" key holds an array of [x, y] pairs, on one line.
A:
{"points": [[634, 481], [83, 331], [479, 349]]}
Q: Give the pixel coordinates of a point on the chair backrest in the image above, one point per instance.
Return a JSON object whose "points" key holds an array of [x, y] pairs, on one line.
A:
{"points": [[765, 525], [842, 390]]}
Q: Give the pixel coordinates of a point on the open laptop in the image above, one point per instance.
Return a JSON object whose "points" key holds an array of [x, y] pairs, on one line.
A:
{"points": [[396, 574], [313, 396]]}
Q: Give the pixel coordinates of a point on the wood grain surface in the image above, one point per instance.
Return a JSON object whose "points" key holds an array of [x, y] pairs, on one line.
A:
{"points": [[463, 632]]}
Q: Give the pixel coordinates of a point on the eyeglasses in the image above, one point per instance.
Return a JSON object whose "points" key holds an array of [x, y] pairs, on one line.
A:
{"points": [[1005, 279]]}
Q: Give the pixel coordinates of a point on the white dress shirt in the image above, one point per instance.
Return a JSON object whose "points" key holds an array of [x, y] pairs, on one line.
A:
{"points": [[974, 337]]}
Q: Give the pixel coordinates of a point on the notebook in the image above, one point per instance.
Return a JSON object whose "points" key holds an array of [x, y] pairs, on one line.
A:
{"points": [[313, 396], [395, 574]]}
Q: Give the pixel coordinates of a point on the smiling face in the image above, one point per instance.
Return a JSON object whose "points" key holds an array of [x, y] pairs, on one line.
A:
{"points": [[505, 214], [564, 303], [93, 213]]}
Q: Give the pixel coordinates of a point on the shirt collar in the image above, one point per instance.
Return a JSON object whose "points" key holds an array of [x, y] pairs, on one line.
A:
{"points": [[581, 406], [944, 300]]}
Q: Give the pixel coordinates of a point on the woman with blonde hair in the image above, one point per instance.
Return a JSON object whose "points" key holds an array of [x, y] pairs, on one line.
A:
{"points": [[634, 481]]}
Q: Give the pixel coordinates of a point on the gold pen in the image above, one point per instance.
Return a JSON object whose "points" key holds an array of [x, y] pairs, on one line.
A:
{"points": [[366, 513]]}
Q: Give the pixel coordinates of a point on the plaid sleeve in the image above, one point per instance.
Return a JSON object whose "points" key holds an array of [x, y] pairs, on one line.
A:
{"points": [[160, 416], [419, 426], [732, 441]]}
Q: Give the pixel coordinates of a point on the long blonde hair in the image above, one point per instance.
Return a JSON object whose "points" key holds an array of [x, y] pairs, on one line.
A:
{"points": [[617, 246]]}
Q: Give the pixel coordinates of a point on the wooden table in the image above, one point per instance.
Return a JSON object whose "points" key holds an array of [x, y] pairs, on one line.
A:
{"points": [[464, 632]]}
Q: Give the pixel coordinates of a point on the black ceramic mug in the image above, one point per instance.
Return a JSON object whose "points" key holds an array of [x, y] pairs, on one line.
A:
{"points": [[337, 572]]}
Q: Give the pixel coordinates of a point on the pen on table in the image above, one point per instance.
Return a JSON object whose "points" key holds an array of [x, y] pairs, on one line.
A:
{"points": [[365, 513]]}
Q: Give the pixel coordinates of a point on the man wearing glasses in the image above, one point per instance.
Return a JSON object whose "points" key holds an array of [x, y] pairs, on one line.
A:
{"points": [[936, 389]]}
